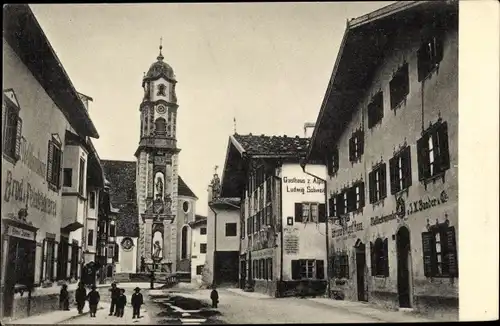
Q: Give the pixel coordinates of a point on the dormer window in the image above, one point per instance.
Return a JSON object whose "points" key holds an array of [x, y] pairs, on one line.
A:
{"points": [[161, 90]]}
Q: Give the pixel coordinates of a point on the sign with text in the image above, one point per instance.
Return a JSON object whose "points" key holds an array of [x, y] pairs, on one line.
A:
{"points": [[20, 233], [350, 229], [303, 185], [291, 244]]}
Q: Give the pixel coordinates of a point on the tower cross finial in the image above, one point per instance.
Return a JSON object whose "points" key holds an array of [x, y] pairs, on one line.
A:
{"points": [[234, 122], [160, 56], [215, 169]]}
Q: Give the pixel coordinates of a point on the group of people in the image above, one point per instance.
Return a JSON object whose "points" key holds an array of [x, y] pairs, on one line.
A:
{"points": [[118, 300]]}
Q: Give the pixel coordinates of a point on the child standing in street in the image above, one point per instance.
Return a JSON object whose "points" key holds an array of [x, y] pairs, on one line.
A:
{"points": [[121, 301], [93, 297], [80, 297], [214, 295], [64, 298], [137, 301]]}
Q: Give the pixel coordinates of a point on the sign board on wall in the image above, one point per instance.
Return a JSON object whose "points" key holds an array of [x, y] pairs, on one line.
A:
{"points": [[291, 244]]}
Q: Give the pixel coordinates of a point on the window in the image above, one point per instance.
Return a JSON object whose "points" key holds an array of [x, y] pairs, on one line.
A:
{"points": [[112, 230], [203, 231], [203, 248], [184, 242], [160, 126], [400, 169], [13, 126], [440, 251], [90, 238], [230, 229], [399, 86], [308, 269], [185, 206], [54, 159], [356, 145], [111, 250], [380, 257], [262, 269], [376, 109], [355, 197], [333, 161], [81, 176], [92, 199], [310, 212], [50, 258], [161, 90], [116, 251], [67, 177], [340, 262], [429, 56], [62, 261], [377, 180], [433, 151], [199, 269], [75, 251], [332, 203]]}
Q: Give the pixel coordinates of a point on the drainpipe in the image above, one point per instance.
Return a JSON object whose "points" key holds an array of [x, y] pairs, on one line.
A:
{"points": [[326, 228]]}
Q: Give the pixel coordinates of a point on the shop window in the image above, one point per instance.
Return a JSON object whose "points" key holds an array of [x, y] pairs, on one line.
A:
{"points": [[378, 187], [81, 177], [68, 177], [399, 86], [429, 55], [231, 229], [54, 159], [376, 110], [92, 199], [333, 161], [310, 212], [400, 169], [307, 269], [199, 269], [203, 248], [340, 268], [90, 238], [433, 151], [356, 145], [13, 126], [380, 258], [440, 251], [203, 231]]}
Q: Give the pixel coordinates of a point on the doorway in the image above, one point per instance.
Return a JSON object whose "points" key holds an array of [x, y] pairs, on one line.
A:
{"points": [[360, 270], [243, 274], [403, 253]]}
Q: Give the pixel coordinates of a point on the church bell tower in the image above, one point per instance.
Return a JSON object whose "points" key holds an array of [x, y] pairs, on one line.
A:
{"points": [[157, 169]]}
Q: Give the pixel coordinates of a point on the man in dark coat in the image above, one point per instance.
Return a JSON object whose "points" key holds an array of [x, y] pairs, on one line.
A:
{"points": [[80, 297], [121, 301], [137, 301], [115, 293], [214, 295], [93, 297], [64, 298]]}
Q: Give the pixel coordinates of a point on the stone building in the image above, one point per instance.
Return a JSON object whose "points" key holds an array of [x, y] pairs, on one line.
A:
{"points": [[388, 130], [198, 248], [47, 165], [282, 216]]}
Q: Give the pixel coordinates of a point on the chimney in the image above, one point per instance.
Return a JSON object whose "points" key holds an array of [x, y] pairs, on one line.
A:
{"points": [[308, 125]]}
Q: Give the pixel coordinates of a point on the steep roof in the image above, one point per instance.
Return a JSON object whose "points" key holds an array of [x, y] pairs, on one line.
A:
{"points": [[198, 221], [271, 145], [121, 175], [184, 190]]}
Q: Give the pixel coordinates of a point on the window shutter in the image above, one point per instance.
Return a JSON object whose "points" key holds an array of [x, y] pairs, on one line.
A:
{"points": [[423, 158], [371, 186], [44, 260], [322, 213], [335, 159], [320, 269], [386, 257], [298, 212], [340, 204], [383, 181], [429, 252], [351, 149], [438, 41], [361, 194], [331, 206], [451, 254], [351, 199], [421, 61], [329, 163], [50, 157], [295, 269], [373, 258], [393, 167], [444, 152], [19, 135], [406, 161], [58, 171], [55, 259], [361, 139]]}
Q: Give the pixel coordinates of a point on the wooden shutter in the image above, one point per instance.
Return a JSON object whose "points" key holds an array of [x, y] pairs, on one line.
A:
{"points": [[406, 162], [335, 159], [320, 269], [55, 259], [50, 157], [295, 269], [451, 252], [351, 199], [373, 258], [298, 212], [371, 186], [438, 46], [444, 152], [57, 167], [393, 169], [321, 213], [385, 249], [361, 140], [383, 181], [423, 158], [44, 260], [331, 206], [361, 187], [329, 164], [340, 204], [429, 253], [19, 135], [351, 149]]}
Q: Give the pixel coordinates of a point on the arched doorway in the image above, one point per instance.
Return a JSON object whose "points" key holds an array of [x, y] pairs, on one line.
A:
{"points": [[403, 258], [184, 242], [360, 270]]}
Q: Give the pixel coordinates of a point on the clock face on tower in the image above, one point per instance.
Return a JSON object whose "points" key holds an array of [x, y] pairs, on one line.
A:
{"points": [[161, 109]]}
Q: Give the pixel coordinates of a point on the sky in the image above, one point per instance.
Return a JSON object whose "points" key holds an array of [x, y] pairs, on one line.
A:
{"points": [[266, 65]]}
